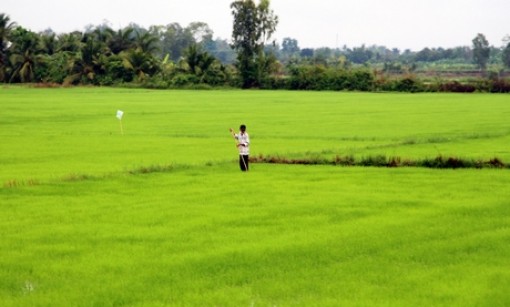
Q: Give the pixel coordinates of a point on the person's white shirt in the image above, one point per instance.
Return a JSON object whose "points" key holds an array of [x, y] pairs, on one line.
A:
{"points": [[244, 143]]}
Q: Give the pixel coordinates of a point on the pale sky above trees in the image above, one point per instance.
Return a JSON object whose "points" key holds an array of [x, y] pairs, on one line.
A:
{"points": [[403, 24]]}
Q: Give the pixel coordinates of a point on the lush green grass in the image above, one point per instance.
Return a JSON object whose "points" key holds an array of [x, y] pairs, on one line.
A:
{"points": [[162, 216], [60, 132]]}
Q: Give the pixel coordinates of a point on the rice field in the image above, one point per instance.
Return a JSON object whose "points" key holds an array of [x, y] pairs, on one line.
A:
{"points": [[160, 215]]}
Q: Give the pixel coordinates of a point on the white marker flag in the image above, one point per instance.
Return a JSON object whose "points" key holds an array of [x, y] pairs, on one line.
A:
{"points": [[120, 114]]}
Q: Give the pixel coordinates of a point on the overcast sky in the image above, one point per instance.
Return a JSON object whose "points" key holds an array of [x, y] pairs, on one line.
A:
{"points": [[403, 24]]}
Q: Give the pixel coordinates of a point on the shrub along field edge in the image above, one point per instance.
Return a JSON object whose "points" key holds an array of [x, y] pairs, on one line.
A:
{"points": [[383, 161]]}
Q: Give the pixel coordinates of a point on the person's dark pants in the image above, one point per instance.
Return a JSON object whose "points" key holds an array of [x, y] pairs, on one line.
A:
{"points": [[243, 162]]}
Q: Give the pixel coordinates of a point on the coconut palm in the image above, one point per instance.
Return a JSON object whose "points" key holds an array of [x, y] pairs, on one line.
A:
{"points": [[203, 65], [192, 56], [88, 62], [103, 34], [70, 42], [122, 40], [49, 42], [141, 63], [25, 54], [6, 26], [199, 61], [146, 42]]}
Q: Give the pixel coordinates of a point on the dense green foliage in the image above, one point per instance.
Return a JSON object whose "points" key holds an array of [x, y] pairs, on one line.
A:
{"points": [[161, 216], [506, 55], [173, 56], [160, 56], [481, 51], [253, 26]]}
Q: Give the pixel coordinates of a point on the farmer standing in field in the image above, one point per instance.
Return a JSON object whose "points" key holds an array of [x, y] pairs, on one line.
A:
{"points": [[243, 145]]}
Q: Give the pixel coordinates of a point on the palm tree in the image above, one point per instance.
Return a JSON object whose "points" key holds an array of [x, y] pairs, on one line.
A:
{"points": [[70, 42], [103, 34], [142, 64], [25, 55], [146, 42], [122, 40], [5, 29], [49, 42], [199, 62], [139, 58], [192, 56], [87, 63]]}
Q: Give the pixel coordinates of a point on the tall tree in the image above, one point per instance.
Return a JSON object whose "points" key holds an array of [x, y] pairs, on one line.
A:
{"points": [[140, 63], [175, 40], [481, 51], [253, 26], [146, 42], [360, 55], [25, 55], [121, 40], [199, 62], [193, 57], [84, 65], [103, 34], [200, 32], [290, 46], [48, 42], [506, 54], [69, 42], [6, 26], [220, 49]]}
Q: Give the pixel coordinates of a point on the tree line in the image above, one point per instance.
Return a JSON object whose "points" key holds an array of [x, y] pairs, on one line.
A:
{"points": [[103, 56], [173, 56]]}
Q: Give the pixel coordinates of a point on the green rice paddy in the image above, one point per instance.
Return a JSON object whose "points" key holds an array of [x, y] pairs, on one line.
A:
{"points": [[161, 215]]}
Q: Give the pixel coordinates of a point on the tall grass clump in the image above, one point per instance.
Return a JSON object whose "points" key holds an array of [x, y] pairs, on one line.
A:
{"points": [[383, 161]]}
